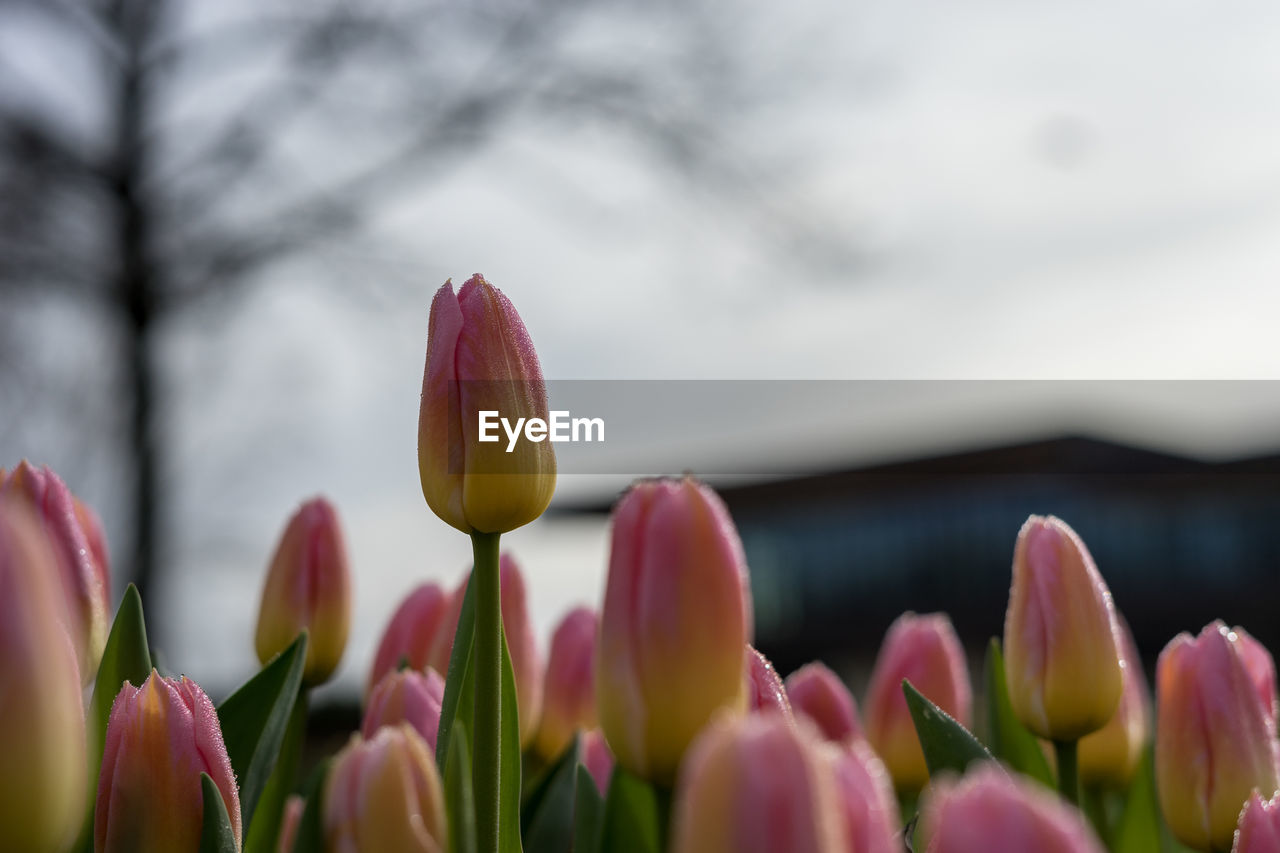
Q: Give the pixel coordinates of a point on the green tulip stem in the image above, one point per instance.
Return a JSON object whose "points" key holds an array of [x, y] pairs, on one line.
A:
{"points": [[1068, 770], [487, 743]]}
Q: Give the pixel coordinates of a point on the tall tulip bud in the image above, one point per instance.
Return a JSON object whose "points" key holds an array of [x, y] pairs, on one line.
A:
{"points": [[1215, 737], [765, 692], [480, 358], [160, 738], [819, 695], [84, 582], [42, 736], [1062, 655], [420, 633], [866, 796], [757, 783], [1110, 756], [1259, 829], [990, 810], [676, 621], [926, 651], [569, 694], [308, 587], [385, 794], [409, 697]]}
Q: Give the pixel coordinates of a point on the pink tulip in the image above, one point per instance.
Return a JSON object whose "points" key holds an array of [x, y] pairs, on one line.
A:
{"points": [[569, 694], [84, 582], [420, 633], [384, 794], [866, 796], [926, 651], [290, 819], [818, 694], [1110, 756], [43, 777], [1215, 736], [675, 624], [757, 784], [765, 692], [989, 810], [480, 358], [308, 586], [1062, 654], [598, 759], [160, 738], [1259, 830], [406, 696]]}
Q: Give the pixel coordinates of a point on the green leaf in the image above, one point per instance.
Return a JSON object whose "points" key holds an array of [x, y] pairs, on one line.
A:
{"points": [[547, 825], [947, 745], [1139, 828], [633, 818], [310, 837], [459, 800], [588, 813], [254, 720], [216, 834], [459, 664], [1010, 741], [124, 658], [510, 772]]}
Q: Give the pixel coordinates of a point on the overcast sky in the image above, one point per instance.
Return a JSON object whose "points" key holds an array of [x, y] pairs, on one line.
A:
{"points": [[1085, 190]]}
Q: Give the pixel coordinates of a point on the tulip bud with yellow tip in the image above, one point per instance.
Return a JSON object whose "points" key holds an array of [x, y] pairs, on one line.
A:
{"points": [[84, 583], [308, 587], [1110, 756], [42, 736], [675, 624], [925, 651], [160, 738], [385, 794], [1215, 737], [480, 359], [758, 784], [1062, 655]]}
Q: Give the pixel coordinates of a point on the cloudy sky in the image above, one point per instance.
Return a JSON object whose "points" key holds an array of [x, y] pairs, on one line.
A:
{"points": [[1034, 191]]}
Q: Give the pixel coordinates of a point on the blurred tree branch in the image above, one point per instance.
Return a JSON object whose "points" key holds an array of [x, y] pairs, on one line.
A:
{"points": [[142, 210]]}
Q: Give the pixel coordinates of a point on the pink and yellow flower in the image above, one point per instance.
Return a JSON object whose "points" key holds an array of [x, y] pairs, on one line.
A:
{"points": [[308, 587], [160, 738]]}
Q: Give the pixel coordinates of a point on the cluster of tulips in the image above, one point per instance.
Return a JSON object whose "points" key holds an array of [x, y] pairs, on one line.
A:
{"points": [[653, 725]]}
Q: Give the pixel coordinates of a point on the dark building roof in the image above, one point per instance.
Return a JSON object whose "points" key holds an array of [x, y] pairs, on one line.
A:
{"points": [[836, 556]]}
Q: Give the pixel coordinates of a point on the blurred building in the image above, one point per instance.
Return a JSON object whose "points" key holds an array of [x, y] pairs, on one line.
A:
{"points": [[835, 557]]}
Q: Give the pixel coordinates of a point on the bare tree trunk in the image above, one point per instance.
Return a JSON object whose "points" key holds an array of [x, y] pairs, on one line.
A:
{"points": [[135, 290]]}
